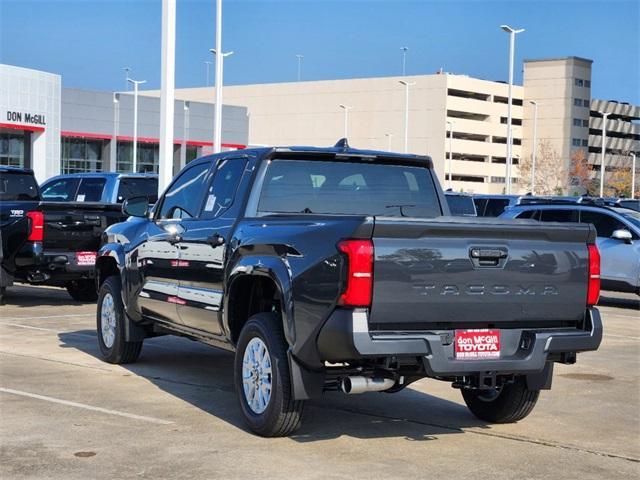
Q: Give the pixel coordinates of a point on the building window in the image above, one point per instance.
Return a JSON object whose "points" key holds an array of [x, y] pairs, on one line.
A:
{"points": [[585, 103], [12, 148], [577, 122], [192, 153], [577, 102], [79, 155], [585, 123], [148, 154], [576, 142], [587, 83], [578, 82], [585, 143]]}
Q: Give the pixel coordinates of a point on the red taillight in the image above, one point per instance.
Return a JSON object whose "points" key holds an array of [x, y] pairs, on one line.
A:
{"points": [[360, 272], [593, 290], [36, 227]]}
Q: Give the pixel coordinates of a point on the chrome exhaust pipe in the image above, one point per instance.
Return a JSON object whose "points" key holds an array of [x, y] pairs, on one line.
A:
{"points": [[354, 385]]}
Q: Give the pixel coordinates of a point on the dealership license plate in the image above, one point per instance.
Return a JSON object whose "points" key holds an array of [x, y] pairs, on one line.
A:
{"points": [[86, 258], [477, 344]]}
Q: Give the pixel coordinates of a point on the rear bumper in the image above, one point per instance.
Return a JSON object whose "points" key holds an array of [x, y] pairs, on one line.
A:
{"points": [[346, 336], [35, 265]]}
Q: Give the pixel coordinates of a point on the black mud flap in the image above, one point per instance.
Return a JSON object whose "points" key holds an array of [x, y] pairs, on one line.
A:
{"points": [[306, 384], [541, 380], [133, 332]]}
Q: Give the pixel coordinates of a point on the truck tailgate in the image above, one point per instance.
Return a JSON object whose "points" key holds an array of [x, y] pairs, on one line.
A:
{"points": [[77, 226], [476, 273]]}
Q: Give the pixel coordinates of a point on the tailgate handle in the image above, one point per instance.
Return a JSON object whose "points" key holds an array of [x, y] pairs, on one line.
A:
{"points": [[487, 257]]}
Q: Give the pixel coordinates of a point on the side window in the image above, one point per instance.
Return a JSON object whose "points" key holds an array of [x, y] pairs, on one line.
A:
{"points": [[183, 199], [90, 190], [559, 215], [222, 190], [495, 207], [481, 204], [136, 187], [63, 190], [530, 214], [605, 224]]}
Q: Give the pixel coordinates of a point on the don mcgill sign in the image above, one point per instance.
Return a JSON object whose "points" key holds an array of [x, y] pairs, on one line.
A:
{"points": [[34, 119]]}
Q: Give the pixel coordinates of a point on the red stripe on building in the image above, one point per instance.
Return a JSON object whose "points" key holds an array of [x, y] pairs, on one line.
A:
{"points": [[96, 136], [15, 126]]}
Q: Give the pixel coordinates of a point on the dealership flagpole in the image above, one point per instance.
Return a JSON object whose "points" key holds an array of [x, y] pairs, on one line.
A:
{"points": [[167, 93]]}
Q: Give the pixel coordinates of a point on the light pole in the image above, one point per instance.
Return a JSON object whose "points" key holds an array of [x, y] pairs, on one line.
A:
{"points": [[346, 109], [208, 64], [126, 77], [512, 43], [535, 146], [167, 93], [135, 121], [404, 60], [299, 57], [633, 175], [389, 137], [604, 148], [450, 125], [406, 113], [220, 55]]}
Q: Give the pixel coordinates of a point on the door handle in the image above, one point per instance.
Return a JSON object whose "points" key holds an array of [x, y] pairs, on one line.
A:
{"points": [[487, 256]]}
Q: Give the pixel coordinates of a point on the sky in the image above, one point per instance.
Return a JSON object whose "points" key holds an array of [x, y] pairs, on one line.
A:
{"points": [[89, 42]]}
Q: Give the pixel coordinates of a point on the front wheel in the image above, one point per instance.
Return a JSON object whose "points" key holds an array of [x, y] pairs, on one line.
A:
{"points": [[507, 404], [262, 378], [110, 320]]}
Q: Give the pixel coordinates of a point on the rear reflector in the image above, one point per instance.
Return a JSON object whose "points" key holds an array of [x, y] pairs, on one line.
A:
{"points": [[593, 290], [360, 273], [36, 226]]}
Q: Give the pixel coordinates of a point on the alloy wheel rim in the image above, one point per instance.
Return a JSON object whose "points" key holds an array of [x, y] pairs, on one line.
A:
{"points": [[257, 377], [108, 320]]}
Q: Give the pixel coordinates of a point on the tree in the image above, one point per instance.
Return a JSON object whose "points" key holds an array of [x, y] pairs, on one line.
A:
{"points": [[551, 174], [581, 174], [618, 183]]}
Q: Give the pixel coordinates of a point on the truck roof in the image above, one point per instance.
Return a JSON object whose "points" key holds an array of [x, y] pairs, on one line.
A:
{"points": [[8, 169], [106, 175]]}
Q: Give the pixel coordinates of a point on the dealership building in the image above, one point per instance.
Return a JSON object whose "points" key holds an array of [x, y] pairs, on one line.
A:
{"points": [[472, 111], [57, 130]]}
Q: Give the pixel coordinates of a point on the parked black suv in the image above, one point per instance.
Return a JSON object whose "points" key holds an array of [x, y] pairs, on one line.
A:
{"points": [[332, 269]]}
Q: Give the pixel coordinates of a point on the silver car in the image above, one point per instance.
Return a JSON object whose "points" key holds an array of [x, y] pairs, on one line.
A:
{"points": [[618, 237]]}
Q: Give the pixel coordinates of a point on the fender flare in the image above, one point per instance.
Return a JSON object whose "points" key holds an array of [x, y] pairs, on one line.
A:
{"points": [[277, 270]]}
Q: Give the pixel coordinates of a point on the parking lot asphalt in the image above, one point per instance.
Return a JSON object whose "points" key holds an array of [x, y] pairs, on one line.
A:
{"points": [[64, 414]]}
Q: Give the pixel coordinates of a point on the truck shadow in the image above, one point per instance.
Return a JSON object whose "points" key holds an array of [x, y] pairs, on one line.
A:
{"points": [[607, 299], [203, 377], [37, 296]]}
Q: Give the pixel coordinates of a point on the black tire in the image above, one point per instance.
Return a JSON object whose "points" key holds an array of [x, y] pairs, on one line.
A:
{"points": [[282, 414], [119, 351], [82, 290], [509, 404]]}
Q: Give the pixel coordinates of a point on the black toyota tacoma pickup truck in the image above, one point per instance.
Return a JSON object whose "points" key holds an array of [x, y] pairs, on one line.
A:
{"points": [[50, 239], [340, 269]]}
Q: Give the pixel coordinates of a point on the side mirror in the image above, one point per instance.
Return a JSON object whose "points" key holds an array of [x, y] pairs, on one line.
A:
{"points": [[622, 234], [136, 207]]}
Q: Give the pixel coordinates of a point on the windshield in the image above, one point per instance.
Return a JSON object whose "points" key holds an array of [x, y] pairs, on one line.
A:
{"points": [[313, 186], [18, 186], [461, 205]]}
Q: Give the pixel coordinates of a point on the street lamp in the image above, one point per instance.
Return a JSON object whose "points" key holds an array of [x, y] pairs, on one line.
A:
{"points": [[404, 59], [135, 83], [633, 175], [389, 137], [450, 125], [346, 109], [220, 55], [208, 64], [604, 148], [535, 146], [299, 57], [512, 42], [406, 113], [126, 77]]}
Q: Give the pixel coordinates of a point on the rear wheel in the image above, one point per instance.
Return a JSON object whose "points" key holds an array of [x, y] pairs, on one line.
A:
{"points": [[82, 290], [262, 378], [110, 320], [507, 404]]}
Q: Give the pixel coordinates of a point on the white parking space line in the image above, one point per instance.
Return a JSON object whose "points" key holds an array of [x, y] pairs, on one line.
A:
{"points": [[621, 336], [30, 327], [86, 407], [51, 316]]}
